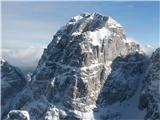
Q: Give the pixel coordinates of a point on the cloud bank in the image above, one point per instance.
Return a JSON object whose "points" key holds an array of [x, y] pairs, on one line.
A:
{"points": [[148, 49], [23, 57]]}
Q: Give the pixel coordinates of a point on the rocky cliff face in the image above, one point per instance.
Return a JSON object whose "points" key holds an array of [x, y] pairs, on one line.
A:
{"points": [[80, 59], [150, 94], [88, 66], [12, 81]]}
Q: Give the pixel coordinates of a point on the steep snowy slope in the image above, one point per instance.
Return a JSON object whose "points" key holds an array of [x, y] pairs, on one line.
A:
{"points": [[12, 81], [150, 94]]}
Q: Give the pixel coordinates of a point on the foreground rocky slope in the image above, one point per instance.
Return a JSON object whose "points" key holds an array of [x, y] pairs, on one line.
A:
{"points": [[88, 71], [150, 94]]}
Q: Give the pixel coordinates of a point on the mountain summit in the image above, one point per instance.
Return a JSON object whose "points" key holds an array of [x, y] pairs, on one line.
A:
{"points": [[89, 71]]}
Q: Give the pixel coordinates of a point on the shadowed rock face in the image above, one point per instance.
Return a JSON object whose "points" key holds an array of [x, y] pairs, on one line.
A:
{"points": [[150, 94], [88, 63], [12, 81], [123, 80]]}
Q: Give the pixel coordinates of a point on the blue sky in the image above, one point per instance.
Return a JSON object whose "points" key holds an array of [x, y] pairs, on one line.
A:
{"points": [[26, 24]]}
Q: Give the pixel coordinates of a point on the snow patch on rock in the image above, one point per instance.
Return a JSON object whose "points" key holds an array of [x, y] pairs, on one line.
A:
{"points": [[98, 35]]}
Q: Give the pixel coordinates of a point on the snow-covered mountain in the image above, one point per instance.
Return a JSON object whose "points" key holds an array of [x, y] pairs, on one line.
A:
{"points": [[89, 71], [12, 82]]}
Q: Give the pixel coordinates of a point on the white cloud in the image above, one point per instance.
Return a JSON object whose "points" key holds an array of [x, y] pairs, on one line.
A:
{"points": [[132, 39], [148, 49], [26, 57]]}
